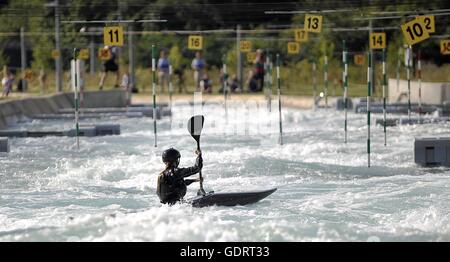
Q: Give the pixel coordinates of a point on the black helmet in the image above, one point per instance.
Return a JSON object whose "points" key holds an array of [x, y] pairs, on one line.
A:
{"points": [[171, 156]]}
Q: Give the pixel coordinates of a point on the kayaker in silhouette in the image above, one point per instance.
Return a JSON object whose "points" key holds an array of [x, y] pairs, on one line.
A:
{"points": [[172, 186]]}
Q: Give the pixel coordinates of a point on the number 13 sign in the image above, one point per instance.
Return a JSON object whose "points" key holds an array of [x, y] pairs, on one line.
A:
{"points": [[113, 35]]}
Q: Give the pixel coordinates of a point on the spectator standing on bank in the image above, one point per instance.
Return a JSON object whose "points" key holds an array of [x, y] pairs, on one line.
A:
{"points": [[7, 82], [258, 71], [199, 66], [179, 72], [163, 70], [110, 65]]}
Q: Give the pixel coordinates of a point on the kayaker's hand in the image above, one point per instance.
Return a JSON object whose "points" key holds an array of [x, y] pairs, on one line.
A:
{"points": [[198, 152]]}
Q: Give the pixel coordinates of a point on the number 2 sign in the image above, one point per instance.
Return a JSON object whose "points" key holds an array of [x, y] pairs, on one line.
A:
{"points": [[428, 20], [113, 35]]}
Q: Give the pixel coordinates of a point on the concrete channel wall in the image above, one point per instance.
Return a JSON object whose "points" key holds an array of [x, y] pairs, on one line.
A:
{"points": [[432, 93], [15, 110]]}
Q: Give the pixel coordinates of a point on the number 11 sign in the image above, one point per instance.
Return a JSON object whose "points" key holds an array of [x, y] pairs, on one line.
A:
{"points": [[113, 35]]}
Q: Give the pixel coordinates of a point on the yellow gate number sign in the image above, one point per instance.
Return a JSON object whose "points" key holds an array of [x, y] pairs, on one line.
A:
{"points": [[377, 40], [251, 56], [195, 42], [55, 54], [104, 54], [415, 31], [29, 74], [293, 48], [84, 54], [445, 47], [313, 23], [113, 35], [301, 35], [245, 46], [359, 59], [428, 20]]}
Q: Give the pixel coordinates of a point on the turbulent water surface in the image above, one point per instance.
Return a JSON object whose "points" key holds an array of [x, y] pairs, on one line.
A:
{"points": [[49, 191]]}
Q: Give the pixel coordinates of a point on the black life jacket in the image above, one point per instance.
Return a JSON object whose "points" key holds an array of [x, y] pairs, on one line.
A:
{"points": [[169, 188]]}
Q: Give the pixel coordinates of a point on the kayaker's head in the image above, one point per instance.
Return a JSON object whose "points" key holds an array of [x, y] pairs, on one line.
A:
{"points": [[171, 157]]}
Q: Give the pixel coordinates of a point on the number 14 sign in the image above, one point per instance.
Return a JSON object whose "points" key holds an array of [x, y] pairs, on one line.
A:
{"points": [[113, 35]]}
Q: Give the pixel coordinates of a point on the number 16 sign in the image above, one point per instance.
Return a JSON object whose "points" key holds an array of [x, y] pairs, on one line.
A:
{"points": [[113, 35]]}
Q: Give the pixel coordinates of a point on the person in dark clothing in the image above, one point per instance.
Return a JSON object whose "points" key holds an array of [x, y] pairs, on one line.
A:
{"points": [[259, 72], [110, 65], [172, 186], [180, 82]]}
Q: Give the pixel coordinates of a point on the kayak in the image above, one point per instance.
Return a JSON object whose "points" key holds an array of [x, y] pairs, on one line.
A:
{"points": [[230, 199]]}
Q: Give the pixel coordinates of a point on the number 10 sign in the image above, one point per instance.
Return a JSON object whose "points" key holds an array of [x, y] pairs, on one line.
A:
{"points": [[113, 35]]}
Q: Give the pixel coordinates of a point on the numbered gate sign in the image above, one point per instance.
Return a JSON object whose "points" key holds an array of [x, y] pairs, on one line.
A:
{"points": [[56, 54], [195, 42], [301, 35], [445, 47], [104, 54], [113, 35], [245, 46], [359, 59], [84, 54], [313, 23], [293, 48], [251, 56], [415, 31], [29, 74], [428, 20], [377, 40]]}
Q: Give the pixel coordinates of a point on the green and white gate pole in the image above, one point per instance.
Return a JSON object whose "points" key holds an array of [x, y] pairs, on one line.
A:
{"points": [[399, 63], [170, 92], [225, 85], [419, 76], [279, 99], [154, 92], [76, 82], [369, 93], [270, 81], [268, 76], [314, 69], [325, 79], [384, 95], [345, 78], [408, 77]]}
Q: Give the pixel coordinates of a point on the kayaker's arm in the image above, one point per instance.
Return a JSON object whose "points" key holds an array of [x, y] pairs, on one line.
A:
{"points": [[187, 182], [189, 171]]}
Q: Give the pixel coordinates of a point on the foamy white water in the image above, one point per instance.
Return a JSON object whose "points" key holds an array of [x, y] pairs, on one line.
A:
{"points": [[106, 190]]}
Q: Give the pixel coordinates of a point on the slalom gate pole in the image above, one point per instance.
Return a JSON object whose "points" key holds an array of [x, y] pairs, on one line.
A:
{"points": [[369, 92], [419, 76], [325, 79], [345, 78], [270, 82], [170, 92], [408, 77], [225, 86], [279, 99], [75, 80], [154, 92], [399, 63], [384, 95], [267, 83], [314, 69]]}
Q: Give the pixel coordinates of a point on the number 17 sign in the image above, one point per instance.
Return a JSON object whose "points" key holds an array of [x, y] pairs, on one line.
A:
{"points": [[113, 35]]}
